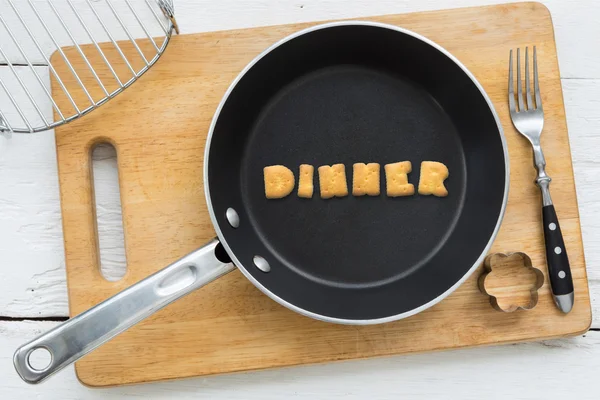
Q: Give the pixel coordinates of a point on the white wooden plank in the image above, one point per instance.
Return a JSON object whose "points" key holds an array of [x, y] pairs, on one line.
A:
{"points": [[31, 248], [32, 263], [31, 235], [575, 30], [582, 105], [11, 87], [31, 241], [546, 370], [65, 13]]}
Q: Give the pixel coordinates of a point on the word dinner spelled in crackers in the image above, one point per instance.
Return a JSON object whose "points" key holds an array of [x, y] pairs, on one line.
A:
{"points": [[280, 180]]}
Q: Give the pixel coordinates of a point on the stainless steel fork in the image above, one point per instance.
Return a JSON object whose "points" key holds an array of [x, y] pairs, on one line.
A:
{"points": [[528, 119]]}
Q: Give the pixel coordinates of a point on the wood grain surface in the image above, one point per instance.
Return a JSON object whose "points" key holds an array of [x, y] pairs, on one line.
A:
{"points": [[159, 130]]}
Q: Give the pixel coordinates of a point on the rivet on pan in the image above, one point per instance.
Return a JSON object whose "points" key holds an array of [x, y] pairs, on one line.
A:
{"points": [[232, 217], [261, 264]]}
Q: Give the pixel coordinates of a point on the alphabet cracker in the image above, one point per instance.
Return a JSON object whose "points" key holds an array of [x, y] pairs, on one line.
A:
{"points": [[279, 181], [396, 177], [305, 184], [432, 179], [365, 179], [332, 181]]}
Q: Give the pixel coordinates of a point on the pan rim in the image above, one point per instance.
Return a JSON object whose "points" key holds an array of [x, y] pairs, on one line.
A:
{"points": [[292, 306]]}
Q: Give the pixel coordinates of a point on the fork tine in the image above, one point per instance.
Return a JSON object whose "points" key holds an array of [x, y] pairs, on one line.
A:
{"points": [[519, 82], [511, 84], [530, 105], [536, 85]]}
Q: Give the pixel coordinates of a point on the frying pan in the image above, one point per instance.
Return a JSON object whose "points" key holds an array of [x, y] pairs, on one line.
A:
{"points": [[343, 92]]}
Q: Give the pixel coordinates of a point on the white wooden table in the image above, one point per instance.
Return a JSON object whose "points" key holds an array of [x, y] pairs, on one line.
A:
{"points": [[33, 295]]}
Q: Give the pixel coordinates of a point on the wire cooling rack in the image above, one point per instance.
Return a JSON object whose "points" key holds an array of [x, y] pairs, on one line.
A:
{"points": [[128, 36]]}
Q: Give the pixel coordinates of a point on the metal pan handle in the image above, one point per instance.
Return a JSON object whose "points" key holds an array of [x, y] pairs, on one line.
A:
{"points": [[78, 336]]}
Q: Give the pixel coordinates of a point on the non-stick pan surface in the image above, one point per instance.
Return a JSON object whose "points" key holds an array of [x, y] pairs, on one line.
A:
{"points": [[348, 93]]}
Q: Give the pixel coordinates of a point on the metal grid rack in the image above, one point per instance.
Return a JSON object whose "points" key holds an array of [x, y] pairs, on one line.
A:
{"points": [[132, 33]]}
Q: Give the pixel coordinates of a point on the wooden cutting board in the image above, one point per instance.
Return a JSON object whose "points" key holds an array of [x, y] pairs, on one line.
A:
{"points": [[159, 128]]}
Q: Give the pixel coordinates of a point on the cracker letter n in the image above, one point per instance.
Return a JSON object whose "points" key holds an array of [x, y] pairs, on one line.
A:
{"points": [[433, 175], [365, 179], [332, 181], [279, 181], [396, 177]]}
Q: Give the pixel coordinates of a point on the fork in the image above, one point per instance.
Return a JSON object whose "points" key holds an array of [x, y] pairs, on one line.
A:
{"points": [[528, 119]]}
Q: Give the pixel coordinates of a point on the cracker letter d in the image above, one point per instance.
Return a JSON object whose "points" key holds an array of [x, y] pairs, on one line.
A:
{"points": [[279, 181]]}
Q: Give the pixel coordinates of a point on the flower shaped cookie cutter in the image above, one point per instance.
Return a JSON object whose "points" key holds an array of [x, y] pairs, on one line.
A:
{"points": [[491, 262]]}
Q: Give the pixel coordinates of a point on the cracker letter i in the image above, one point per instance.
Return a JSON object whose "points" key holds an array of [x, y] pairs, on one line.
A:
{"points": [[305, 181]]}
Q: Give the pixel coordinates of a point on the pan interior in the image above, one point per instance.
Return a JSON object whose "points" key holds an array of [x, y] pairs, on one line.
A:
{"points": [[349, 114], [352, 93]]}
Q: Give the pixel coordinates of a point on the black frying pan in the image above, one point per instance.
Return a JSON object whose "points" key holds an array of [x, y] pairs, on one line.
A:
{"points": [[338, 93]]}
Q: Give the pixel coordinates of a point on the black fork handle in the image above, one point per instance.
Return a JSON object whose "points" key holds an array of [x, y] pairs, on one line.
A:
{"points": [[559, 268]]}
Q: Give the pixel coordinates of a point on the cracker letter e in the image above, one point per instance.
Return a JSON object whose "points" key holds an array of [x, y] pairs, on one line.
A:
{"points": [[396, 178]]}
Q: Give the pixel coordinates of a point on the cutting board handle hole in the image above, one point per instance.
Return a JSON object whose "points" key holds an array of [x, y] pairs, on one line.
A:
{"points": [[108, 212]]}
